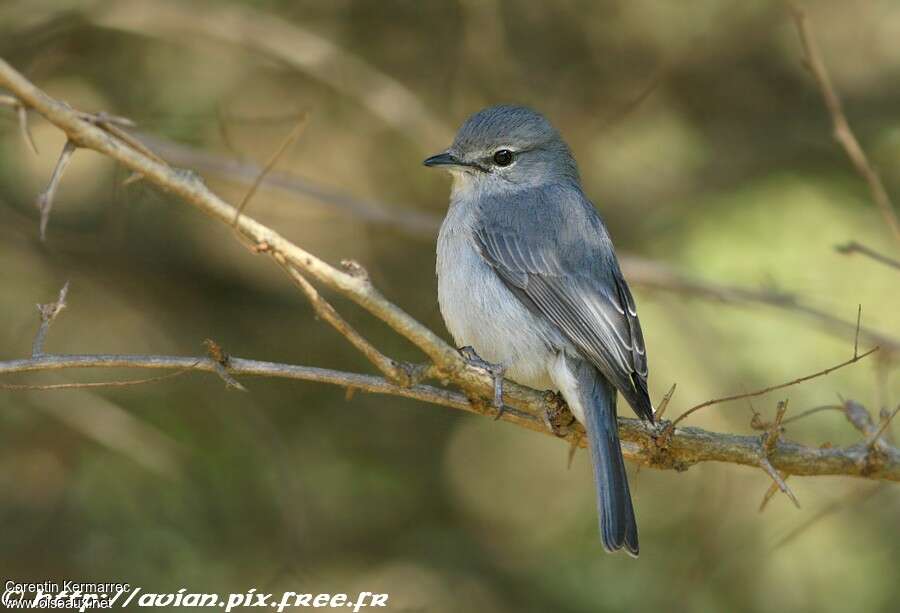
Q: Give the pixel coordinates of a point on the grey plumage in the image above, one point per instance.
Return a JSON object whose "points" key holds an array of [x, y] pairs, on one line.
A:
{"points": [[528, 277]]}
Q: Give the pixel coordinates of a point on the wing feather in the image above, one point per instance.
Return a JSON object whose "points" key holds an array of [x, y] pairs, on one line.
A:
{"points": [[590, 304]]}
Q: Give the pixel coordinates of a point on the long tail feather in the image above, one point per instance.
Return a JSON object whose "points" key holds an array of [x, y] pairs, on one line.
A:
{"points": [[618, 527]]}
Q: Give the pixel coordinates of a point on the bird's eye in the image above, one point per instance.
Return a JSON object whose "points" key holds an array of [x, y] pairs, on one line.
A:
{"points": [[503, 157]]}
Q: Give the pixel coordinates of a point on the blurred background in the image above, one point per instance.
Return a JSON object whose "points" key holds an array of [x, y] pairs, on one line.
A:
{"points": [[705, 145]]}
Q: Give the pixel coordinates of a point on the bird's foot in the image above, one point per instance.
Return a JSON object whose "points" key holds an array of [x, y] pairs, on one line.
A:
{"points": [[496, 371], [555, 415]]}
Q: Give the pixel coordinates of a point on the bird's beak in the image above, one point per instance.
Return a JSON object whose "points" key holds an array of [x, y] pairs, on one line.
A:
{"points": [[444, 159]]}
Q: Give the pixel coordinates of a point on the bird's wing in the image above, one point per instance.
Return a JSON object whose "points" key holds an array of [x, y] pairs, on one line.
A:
{"points": [[551, 249]]}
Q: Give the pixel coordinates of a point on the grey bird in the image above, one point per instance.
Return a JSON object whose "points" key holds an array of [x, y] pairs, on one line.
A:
{"points": [[528, 278]]}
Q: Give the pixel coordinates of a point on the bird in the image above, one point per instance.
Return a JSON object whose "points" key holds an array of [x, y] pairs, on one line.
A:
{"points": [[530, 288]]}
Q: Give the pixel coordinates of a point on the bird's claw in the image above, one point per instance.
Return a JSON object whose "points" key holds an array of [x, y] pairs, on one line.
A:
{"points": [[496, 371]]}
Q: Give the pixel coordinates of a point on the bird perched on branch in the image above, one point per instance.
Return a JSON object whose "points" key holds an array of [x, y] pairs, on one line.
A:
{"points": [[529, 284]]}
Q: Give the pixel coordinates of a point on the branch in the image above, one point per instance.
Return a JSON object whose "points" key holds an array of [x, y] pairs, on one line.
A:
{"points": [[640, 272], [760, 392], [842, 132], [397, 373], [654, 275], [524, 406], [688, 446], [287, 43], [354, 284], [854, 247]]}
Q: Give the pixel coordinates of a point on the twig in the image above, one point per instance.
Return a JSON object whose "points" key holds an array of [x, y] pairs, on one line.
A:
{"points": [[395, 372], [45, 199], [95, 384], [48, 313], [854, 247], [808, 412], [289, 140], [842, 132], [772, 388]]}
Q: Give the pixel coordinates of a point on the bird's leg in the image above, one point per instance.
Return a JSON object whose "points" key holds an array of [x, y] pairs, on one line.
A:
{"points": [[497, 371]]}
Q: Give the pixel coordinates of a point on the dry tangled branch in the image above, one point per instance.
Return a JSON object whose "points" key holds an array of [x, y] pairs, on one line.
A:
{"points": [[678, 449]]}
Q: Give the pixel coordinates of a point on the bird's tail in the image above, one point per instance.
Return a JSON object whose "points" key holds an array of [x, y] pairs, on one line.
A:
{"points": [[618, 527]]}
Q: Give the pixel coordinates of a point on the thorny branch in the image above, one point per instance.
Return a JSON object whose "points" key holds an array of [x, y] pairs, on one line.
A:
{"points": [[679, 449], [687, 446]]}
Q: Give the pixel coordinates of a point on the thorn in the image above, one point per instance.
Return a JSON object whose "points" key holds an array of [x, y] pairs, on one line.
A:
{"points": [[105, 118], [215, 351], [576, 440], [23, 127], [132, 178], [48, 313], [773, 488], [220, 364], [45, 199], [779, 481], [768, 442], [757, 422], [354, 269], [774, 430], [664, 403]]}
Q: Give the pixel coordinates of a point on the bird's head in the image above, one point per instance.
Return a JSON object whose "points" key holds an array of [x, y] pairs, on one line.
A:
{"points": [[506, 148]]}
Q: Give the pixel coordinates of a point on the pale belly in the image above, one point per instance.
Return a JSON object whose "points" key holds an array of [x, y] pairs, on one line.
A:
{"points": [[481, 312]]}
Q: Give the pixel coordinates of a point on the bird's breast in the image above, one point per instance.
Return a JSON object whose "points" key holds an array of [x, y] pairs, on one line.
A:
{"points": [[481, 312]]}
